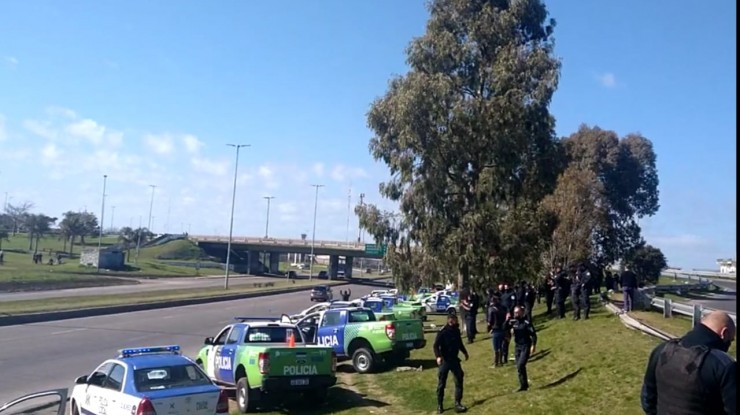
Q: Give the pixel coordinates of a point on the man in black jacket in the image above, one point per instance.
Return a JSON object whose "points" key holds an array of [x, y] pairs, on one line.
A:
{"points": [[447, 346], [628, 281], [525, 342], [693, 374], [496, 319]]}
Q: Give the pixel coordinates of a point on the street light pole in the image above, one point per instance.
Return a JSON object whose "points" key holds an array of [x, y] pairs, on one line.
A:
{"points": [[151, 206], [231, 220], [349, 209], [267, 220], [313, 237], [102, 222], [112, 216]]}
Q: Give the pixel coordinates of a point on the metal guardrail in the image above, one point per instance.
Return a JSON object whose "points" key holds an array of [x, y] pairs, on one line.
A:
{"points": [[695, 311], [278, 241], [697, 273]]}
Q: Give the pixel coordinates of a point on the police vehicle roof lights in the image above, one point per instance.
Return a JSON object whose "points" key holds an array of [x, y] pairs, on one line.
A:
{"points": [[138, 351]]}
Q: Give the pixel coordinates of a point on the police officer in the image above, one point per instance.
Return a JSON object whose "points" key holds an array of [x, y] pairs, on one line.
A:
{"points": [[693, 374], [561, 290], [550, 288], [496, 318], [447, 346], [575, 293], [525, 342], [530, 296], [586, 280]]}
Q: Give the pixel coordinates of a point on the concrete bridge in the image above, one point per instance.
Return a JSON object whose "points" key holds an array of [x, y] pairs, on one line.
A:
{"points": [[258, 254]]}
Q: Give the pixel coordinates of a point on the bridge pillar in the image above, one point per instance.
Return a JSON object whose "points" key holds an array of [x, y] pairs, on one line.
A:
{"points": [[274, 262], [348, 265], [333, 266]]}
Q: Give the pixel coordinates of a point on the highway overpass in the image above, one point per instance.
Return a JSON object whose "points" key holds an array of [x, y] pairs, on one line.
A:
{"points": [[247, 251]]}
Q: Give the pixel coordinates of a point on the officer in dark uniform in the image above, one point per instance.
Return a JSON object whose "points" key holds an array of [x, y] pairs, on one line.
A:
{"points": [[575, 293], [525, 341], [693, 374], [561, 290], [550, 288], [447, 346], [496, 318], [586, 279], [530, 296]]}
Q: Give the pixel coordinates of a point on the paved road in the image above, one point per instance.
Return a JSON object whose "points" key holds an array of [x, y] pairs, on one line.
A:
{"points": [[144, 285], [42, 356], [727, 300]]}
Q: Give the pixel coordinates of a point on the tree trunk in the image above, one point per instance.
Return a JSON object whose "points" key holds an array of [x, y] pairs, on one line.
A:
{"points": [[38, 237], [30, 241], [463, 277], [65, 245], [71, 245]]}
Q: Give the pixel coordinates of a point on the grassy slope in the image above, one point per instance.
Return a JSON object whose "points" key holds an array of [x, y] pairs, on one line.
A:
{"points": [[584, 367]]}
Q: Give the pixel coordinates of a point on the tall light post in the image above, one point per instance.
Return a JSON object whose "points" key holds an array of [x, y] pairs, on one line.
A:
{"points": [[102, 220], [313, 236], [112, 216], [231, 220], [151, 206], [5, 205], [349, 210], [267, 220]]}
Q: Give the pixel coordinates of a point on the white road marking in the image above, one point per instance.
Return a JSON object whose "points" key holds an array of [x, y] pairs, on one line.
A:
{"points": [[67, 331]]}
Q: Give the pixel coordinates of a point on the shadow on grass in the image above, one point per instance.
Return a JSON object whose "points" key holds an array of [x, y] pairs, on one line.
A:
{"points": [[541, 354], [339, 399], [562, 380]]}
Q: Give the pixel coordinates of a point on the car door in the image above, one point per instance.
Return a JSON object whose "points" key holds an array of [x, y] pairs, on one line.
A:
{"points": [[331, 331], [112, 391], [226, 358], [214, 350], [309, 326], [95, 399], [443, 302]]}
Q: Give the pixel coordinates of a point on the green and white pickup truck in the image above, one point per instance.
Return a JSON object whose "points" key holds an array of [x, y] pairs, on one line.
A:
{"points": [[255, 357], [356, 333]]}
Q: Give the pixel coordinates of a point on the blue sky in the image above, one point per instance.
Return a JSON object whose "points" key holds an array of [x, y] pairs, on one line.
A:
{"points": [[150, 93]]}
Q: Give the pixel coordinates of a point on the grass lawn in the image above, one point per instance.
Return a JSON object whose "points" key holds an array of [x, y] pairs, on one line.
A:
{"points": [[678, 325], [581, 367], [71, 303]]}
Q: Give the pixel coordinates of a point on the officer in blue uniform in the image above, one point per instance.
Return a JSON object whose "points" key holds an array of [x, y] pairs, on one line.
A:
{"points": [[525, 342]]}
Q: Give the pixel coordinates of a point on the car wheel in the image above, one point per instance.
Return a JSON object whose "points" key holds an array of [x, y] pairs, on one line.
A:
{"points": [[244, 398], [363, 360], [75, 410]]}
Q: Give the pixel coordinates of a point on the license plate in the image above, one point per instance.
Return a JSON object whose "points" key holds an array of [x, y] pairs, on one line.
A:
{"points": [[298, 382], [410, 345]]}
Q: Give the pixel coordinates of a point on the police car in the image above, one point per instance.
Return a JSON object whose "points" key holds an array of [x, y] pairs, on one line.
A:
{"points": [[148, 381]]}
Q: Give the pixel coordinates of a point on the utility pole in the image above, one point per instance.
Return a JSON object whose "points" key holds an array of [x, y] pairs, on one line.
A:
{"points": [[313, 238], [267, 220], [138, 242], [112, 216], [231, 220], [359, 230], [349, 209], [151, 206], [102, 221], [5, 205]]}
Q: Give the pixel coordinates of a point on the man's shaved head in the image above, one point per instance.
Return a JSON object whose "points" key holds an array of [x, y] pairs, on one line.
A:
{"points": [[720, 323]]}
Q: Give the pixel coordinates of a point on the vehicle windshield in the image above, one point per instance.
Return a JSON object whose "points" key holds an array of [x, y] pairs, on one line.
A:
{"points": [[271, 335], [320, 289], [169, 377]]}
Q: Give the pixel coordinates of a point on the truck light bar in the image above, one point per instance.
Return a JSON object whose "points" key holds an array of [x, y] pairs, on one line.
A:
{"points": [[138, 351]]}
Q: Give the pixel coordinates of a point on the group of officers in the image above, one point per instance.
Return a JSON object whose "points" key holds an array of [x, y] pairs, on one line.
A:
{"points": [[509, 317], [578, 281]]}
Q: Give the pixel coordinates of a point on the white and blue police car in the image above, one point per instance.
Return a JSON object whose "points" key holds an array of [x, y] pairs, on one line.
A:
{"points": [[148, 381]]}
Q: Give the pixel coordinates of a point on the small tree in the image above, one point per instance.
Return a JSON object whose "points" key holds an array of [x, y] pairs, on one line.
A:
{"points": [[647, 262], [4, 236]]}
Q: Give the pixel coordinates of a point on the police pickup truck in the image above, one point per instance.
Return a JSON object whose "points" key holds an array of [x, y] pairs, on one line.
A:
{"points": [[357, 334], [263, 358]]}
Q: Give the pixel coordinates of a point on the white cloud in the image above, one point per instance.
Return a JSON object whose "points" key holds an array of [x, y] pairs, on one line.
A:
{"points": [[204, 165], [608, 80], [15, 154], [287, 207], [162, 144], [3, 131], [192, 144], [50, 153], [41, 129], [55, 111], [678, 241], [11, 60], [87, 129], [342, 173], [318, 169]]}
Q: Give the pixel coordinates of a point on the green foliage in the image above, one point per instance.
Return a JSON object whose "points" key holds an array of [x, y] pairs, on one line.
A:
{"points": [[38, 226], [647, 262], [78, 225], [468, 139], [626, 170]]}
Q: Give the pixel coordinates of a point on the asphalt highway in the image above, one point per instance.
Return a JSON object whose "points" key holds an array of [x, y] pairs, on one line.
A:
{"points": [[726, 300], [147, 285], [51, 355]]}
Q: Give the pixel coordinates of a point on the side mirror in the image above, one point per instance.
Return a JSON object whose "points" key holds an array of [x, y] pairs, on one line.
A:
{"points": [[208, 341], [82, 380]]}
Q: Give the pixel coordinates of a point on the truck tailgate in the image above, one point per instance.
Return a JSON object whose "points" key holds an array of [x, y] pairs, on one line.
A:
{"points": [[409, 330], [300, 361]]}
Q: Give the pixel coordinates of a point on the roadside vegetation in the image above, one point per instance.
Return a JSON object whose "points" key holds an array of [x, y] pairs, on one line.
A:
{"points": [[585, 367]]}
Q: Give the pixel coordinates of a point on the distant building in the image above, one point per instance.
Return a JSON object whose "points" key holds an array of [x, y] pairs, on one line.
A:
{"points": [[110, 258], [727, 266]]}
